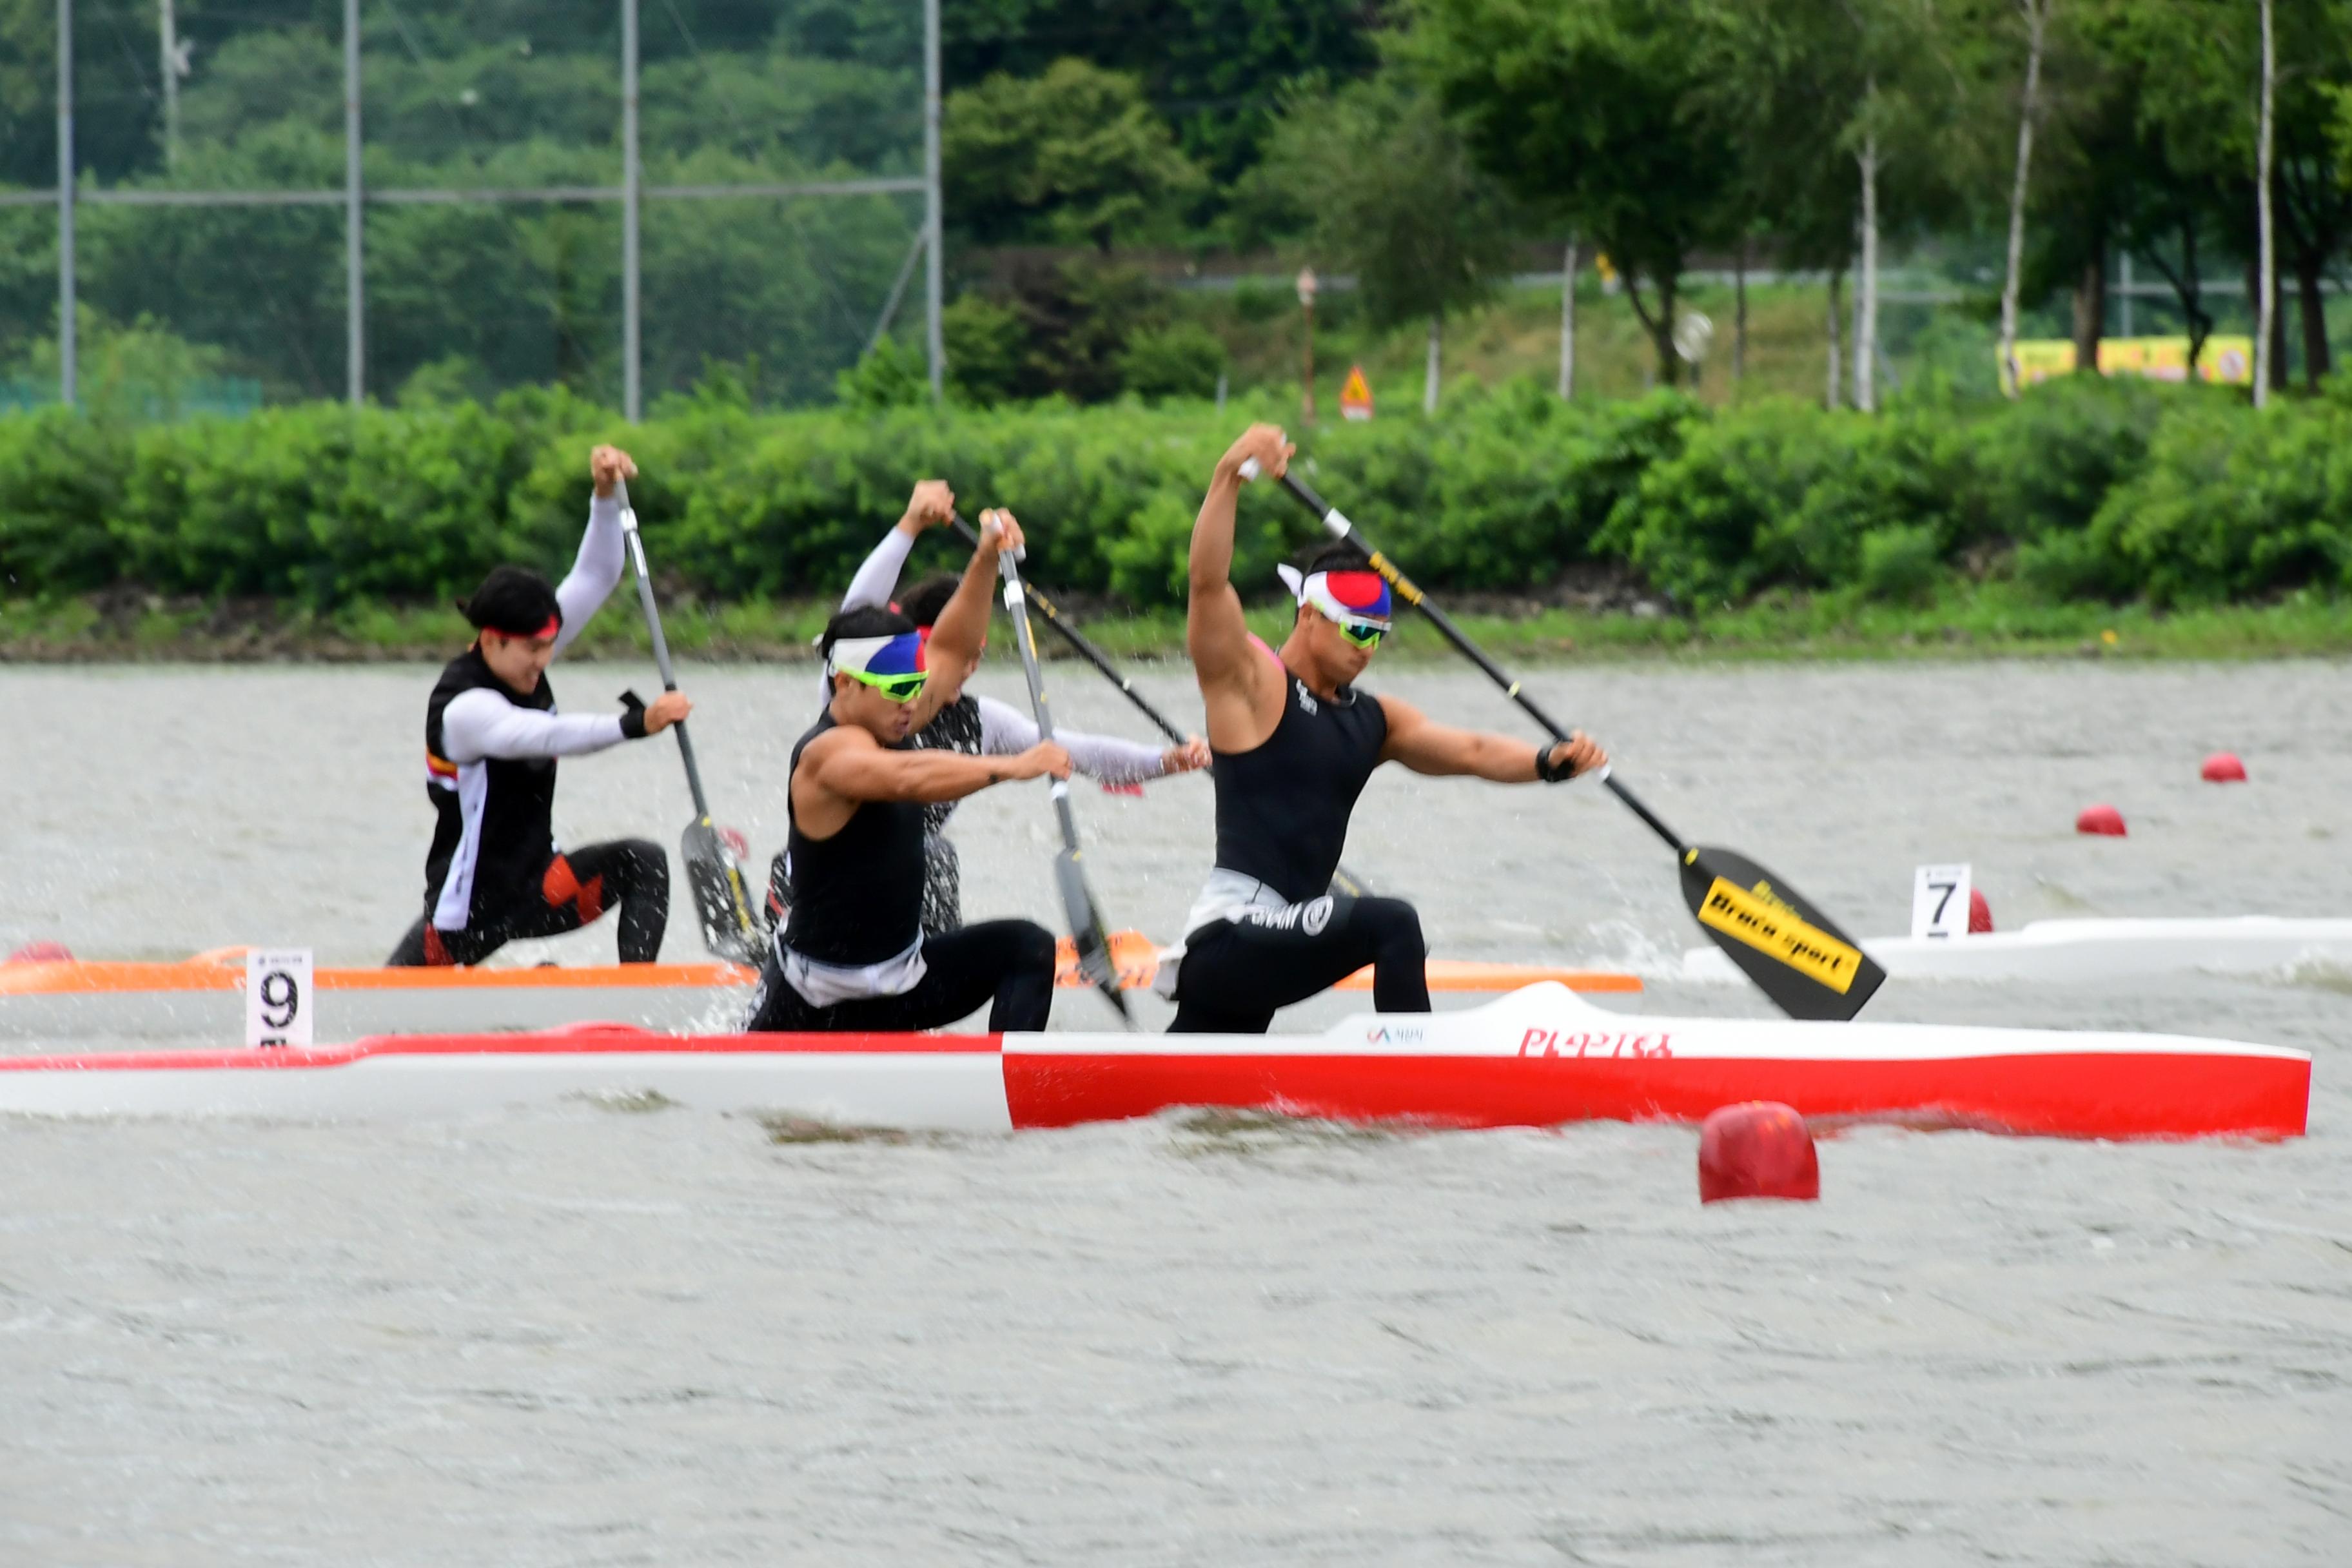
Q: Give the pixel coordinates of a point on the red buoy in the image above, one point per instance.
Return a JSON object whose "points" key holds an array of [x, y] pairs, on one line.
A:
{"points": [[1761, 1149], [1980, 912], [2101, 819], [42, 953], [2223, 767]]}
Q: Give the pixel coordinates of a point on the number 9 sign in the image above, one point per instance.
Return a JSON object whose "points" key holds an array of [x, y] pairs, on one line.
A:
{"points": [[278, 997]]}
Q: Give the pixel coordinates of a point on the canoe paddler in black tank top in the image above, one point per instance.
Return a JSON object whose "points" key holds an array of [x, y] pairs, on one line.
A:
{"points": [[491, 738], [853, 954], [1295, 742], [967, 723]]}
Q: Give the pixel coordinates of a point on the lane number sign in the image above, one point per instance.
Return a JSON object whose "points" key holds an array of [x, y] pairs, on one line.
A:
{"points": [[1940, 901], [278, 997]]}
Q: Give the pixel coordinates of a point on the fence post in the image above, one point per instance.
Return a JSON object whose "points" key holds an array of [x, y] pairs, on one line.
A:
{"points": [[632, 191], [67, 389], [934, 265], [354, 262]]}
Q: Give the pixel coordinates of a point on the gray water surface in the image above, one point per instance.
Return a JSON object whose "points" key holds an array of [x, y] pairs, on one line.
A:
{"points": [[603, 1335]]}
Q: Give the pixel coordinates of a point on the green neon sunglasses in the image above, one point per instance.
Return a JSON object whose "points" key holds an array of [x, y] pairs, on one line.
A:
{"points": [[896, 687]]}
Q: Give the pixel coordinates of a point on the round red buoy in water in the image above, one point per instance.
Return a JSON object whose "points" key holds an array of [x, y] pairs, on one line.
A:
{"points": [[1980, 912], [42, 953], [1756, 1150], [2223, 767], [2101, 819]]}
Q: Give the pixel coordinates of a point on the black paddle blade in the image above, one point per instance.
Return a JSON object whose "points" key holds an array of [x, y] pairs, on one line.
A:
{"points": [[1795, 953], [1086, 931], [720, 903]]}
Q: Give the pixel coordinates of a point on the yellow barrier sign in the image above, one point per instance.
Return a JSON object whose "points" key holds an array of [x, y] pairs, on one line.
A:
{"points": [[2225, 360]]}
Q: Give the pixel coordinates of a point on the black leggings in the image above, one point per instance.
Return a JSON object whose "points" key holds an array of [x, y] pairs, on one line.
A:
{"points": [[574, 889], [1236, 972], [1008, 963]]}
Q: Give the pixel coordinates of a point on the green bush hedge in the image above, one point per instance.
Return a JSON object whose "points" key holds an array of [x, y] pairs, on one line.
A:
{"points": [[2085, 488]]}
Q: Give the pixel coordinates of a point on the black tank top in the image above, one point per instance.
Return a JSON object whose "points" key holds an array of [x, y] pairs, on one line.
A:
{"points": [[957, 728], [1283, 807], [857, 896], [509, 847]]}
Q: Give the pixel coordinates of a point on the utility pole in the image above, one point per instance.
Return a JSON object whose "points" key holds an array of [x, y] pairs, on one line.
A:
{"points": [[2266, 308], [1306, 307], [354, 265], [67, 389], [2037, 13], [935, 262], [175, 66], [632, 398], [1568, 321]]}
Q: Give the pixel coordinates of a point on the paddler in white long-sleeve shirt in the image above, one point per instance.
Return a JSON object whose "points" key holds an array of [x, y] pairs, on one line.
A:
{"points": [[491, 738], [973, 725]]}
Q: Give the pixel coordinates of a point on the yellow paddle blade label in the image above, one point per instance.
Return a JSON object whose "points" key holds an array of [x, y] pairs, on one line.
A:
{"points": [[1771, 928]]}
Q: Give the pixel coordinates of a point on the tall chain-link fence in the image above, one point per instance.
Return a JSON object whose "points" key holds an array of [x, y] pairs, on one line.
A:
{"points": [[228, 201]]}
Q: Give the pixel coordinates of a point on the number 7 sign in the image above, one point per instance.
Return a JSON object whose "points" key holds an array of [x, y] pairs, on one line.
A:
{"points": [[278, 997], [1940, 901]]}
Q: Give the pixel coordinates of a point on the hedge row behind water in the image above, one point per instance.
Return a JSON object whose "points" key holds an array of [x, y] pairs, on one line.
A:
{"points": [[2086, 490]]}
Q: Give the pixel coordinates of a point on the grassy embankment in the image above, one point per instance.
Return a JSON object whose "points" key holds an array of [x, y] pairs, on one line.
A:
{"points": [[1987, 621]]}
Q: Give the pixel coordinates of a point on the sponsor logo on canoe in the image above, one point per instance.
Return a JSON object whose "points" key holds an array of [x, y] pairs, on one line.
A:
{"points": [[1394, 1034], [1760, 920], [1581, 1043]]}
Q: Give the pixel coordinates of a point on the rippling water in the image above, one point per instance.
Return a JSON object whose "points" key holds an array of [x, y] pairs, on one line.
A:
{"points": [[605, 1334]]}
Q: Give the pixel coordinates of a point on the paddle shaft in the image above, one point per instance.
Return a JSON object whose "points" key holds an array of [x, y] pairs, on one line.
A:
{"points": [[1336, 522], [1084, 645], [1016, 595], [661, 644], [1078, 905]]}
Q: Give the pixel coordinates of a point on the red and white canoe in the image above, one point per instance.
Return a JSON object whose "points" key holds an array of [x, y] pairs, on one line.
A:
{"points": [[1536, 1057], [57, 1000]]}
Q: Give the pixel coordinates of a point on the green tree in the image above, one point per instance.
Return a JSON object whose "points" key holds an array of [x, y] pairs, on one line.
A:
{"points": [[1075, 154], [1603, 113], [1395, 197], [1215, 69]]}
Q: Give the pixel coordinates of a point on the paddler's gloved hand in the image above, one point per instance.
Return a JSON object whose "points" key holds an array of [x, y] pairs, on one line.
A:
{"points": [[1580, 754], [638, 719]]}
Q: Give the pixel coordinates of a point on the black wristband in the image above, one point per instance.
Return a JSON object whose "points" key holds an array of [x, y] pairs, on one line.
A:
{"points": [[632, 716], [1548, 773]]}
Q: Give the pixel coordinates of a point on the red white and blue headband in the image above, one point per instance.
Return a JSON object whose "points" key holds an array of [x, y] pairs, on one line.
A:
{"points": [[1360, 595], [900, 654]]}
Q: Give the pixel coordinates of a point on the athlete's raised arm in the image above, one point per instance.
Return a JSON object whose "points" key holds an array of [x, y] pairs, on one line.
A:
{"points": [[962, 626], [1231, 674], [1442, 750], [932, 506], [596, 570]]}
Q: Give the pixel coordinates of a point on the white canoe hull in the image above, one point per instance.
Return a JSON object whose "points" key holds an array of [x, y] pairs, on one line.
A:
{"points": [[2091, 950], [1539, 1057]]}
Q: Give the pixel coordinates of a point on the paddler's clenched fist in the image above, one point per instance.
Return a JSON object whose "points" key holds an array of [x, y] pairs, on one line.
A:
{"points": [[1000, 533], [665, 710], [931, 505], [1261, 443], [1189, 757], [608, 466], [1571, 758], [1044, 757]]}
